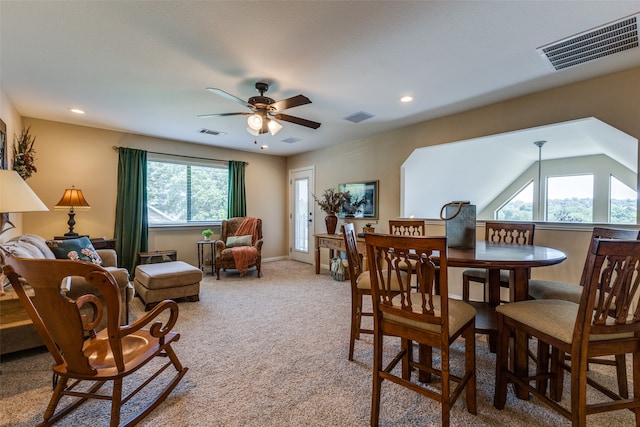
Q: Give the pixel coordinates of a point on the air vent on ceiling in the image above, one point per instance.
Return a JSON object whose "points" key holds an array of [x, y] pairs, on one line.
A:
{"points": [[358, 117], [593, 44], [291, 140], [210, 132]]}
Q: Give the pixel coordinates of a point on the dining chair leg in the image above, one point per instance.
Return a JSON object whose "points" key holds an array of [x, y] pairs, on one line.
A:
{"points": [[621, 372], [425, 357], [557, 374], [542, 366], [356, 309], [446, 386], [470, 366], [377, 379], [465, 288], [502, 363]]}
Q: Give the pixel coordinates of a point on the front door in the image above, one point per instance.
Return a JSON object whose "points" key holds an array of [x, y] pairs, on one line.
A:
{"points": [[301, 214]]}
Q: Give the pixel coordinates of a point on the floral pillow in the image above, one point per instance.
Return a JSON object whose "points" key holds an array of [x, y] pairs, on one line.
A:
{"points": [[79, 249]]}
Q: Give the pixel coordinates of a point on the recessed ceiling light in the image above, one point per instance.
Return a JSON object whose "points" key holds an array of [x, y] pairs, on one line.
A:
{"points": [[406, 98], [264, 146], [76, 110]]}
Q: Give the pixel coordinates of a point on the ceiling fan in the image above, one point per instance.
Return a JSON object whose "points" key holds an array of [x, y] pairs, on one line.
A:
{"points": [[265, 110]]}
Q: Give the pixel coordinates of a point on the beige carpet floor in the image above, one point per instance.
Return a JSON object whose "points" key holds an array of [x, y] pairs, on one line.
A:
{"points": [[273, 352]]}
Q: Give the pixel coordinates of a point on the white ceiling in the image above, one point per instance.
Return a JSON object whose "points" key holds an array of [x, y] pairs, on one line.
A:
{"points": [[143, 66]]}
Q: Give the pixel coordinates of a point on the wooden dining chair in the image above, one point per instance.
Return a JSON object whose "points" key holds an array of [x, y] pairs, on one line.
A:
{"points": [[548, 289], [605, 322], [360, 286], [109, 355], [423, 317], [407, 227], [497, 232]]}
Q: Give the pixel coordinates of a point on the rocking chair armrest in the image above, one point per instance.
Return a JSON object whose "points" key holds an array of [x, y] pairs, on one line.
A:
{"points": [[157, 329]]}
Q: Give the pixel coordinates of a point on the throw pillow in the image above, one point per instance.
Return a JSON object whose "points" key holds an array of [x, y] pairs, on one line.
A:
{"points": [[233, 241], [79, 249]]}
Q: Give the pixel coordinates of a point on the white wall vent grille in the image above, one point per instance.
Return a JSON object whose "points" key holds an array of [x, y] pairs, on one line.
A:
{"points": [[593, 44], [359, 117], [211, 132]]}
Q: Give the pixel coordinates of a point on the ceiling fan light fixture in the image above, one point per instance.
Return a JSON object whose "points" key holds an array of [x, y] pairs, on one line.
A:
{"points": [[254, 121], [274, 127]]}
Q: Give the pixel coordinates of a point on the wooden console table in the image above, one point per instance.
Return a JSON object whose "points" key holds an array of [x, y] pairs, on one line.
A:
{"points": [[335, 242]]}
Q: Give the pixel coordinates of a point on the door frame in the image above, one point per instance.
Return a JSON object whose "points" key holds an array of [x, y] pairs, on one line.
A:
{"points": [[309, 256]]}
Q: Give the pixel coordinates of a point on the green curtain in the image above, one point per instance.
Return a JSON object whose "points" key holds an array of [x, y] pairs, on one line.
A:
{"points": [[237, 205], [132, 225]]}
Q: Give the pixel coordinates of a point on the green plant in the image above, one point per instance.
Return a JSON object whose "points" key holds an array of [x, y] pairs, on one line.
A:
{"points": [[24, 155], [207, 233]]}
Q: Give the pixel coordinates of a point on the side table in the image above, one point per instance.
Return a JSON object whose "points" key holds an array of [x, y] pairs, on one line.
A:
{"points": [[204, 262]]}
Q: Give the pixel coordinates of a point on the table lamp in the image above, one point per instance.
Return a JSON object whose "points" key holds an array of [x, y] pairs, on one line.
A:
{"points": [[72, 199], [16, 196]]}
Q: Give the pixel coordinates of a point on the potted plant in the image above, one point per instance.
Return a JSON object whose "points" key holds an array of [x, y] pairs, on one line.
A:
{"points": [[330, 203], [207, 233]]}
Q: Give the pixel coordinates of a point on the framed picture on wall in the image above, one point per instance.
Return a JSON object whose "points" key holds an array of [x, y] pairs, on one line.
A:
{"points": [[3, 163], [3, 145], [366, 191]]}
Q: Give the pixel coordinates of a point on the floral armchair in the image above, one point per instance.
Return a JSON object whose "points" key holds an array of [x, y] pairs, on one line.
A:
{"points": [[240, 245]]}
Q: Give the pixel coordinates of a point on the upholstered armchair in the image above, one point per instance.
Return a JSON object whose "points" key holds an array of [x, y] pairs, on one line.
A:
{"points": [[240, 242]]}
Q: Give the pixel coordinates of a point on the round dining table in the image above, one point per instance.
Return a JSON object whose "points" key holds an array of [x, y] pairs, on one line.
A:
{"points": [[518, 259]]}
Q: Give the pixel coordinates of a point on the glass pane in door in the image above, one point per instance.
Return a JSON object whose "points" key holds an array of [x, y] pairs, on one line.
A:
{"points": [[301, 215]]}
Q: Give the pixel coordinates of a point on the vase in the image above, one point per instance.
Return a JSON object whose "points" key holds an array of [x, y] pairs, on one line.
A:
{"points": [[331, 222]]}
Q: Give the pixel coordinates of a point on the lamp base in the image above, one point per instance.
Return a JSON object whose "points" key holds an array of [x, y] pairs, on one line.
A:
{"points": [[71, 235]]}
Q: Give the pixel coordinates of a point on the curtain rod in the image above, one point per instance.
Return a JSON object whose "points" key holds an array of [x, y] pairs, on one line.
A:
{"points": [[116, 148]]}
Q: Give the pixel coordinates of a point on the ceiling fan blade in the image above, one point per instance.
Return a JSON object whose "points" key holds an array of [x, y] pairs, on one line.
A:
{"points": [[294, 101], [297, 120], [206, 116], [229, 96]]}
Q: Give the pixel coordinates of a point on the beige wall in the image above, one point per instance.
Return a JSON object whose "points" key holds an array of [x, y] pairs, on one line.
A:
{"points": [[612, 99], [83, 156]]}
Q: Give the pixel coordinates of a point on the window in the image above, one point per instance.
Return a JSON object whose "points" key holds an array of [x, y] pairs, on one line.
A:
{"points": [[570, 198], [184, 192], [622, 203], [519, 207]]}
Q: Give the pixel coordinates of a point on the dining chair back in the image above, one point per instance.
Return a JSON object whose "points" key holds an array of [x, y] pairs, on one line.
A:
{"points": [[81, 353], [359, 287], [605, 322], [407, 227], [430, 319], [548, 289], [497, 232]]}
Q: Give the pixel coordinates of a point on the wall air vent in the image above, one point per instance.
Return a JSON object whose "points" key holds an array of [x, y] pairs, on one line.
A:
{"points": [[211, 132], [359, 117], [593, 44]]}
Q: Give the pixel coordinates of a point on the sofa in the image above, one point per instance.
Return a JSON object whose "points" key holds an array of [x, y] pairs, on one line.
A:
{"points": [[16, 333]]}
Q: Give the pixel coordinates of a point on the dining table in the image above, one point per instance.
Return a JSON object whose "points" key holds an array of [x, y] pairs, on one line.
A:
{"points": [[518, 259]]}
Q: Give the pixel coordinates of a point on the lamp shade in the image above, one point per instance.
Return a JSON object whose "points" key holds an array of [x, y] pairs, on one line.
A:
{"points": [[16, 195], [72, 198]]}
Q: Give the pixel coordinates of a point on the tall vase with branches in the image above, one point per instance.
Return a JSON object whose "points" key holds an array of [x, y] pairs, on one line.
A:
{"points": [[330, 203], [24, 155]]}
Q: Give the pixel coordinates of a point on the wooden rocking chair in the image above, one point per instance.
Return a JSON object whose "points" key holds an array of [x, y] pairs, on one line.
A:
{"points": [[82, 354]]}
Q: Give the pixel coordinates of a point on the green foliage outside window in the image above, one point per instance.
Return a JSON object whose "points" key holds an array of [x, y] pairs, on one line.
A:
{"points": [[180, 193]]}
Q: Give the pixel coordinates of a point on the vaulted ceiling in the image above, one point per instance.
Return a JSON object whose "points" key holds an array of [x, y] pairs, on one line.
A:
{"points": [[142, 66]]}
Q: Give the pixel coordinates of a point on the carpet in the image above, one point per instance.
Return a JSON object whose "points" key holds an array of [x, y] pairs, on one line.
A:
{"points": [[272, 351]]}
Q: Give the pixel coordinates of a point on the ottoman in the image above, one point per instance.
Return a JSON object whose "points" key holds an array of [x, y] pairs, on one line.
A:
{"points": [[167, 280]]}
